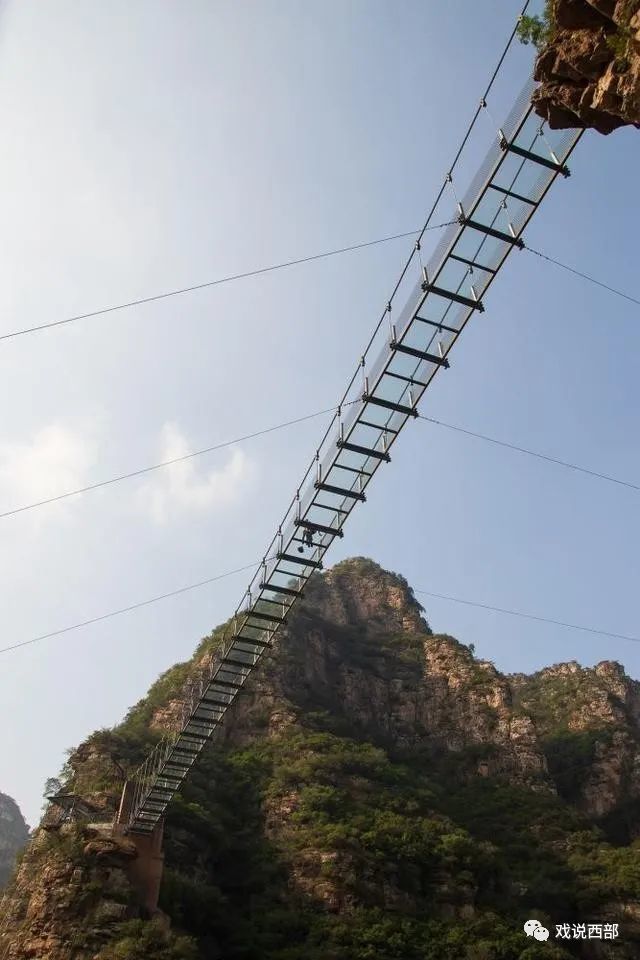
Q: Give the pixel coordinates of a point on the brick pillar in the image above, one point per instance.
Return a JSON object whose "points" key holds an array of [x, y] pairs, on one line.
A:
{"points": [[145, 871]]}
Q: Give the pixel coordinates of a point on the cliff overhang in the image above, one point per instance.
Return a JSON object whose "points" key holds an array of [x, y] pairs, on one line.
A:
{"points": [[588, 66]]}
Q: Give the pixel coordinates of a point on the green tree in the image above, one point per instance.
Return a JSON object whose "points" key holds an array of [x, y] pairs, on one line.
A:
{"points": [[538, 30]]}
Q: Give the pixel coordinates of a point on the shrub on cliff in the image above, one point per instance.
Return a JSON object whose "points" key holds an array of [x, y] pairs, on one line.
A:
{"points": [[147, 941]]}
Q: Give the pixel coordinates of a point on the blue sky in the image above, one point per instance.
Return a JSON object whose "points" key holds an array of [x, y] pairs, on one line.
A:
{"points": [[151, 145]]}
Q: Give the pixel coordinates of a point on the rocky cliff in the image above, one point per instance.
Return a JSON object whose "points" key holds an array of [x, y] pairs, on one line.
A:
{"points": [[380, 793], [589, 64], [14, 834], [588, 721]]}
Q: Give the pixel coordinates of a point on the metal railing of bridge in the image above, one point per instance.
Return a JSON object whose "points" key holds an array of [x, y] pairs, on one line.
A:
{"points": [[382, 397]]}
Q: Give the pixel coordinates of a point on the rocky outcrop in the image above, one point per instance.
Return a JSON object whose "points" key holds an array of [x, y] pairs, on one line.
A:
{"points": [[14, 834], [360, 650], [70, 890], [350, 777], [589, 69], [590, 717]]}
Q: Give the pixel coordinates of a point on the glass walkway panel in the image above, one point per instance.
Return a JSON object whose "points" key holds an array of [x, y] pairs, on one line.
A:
{"points": [[413, 348]]}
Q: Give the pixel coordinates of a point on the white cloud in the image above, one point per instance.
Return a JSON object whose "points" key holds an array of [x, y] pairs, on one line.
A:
{"points": [[57, 459], [188, 488]]}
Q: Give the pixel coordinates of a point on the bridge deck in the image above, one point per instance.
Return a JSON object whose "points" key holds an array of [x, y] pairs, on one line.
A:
{"points": [[504, 195]]}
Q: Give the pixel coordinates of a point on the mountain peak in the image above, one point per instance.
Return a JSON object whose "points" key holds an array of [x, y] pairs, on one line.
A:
{"points": [[14, 834], [372, 776], [358, 590]]}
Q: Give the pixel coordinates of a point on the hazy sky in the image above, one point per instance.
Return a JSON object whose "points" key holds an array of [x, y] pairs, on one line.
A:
{"points": [[151, 144]]}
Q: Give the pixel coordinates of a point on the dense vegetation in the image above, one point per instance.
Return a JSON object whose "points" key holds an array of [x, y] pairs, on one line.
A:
{"points": [[537, 29], [324, 846], [326, 839], [541, 29]]}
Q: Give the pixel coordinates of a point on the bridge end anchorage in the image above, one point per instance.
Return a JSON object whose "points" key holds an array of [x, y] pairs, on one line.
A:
{"points": [[146, 869]]}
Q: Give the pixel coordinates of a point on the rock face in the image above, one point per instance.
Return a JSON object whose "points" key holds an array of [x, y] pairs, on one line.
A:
{"points": [[14, 834], [379, 792], [588, 721], [77, 889], [589, 69], [361, 650]]}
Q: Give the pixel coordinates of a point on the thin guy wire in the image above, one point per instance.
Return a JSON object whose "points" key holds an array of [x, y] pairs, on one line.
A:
{"points": [[163, 463], [133, 606], [546, 142], [584, 276], [290, 263], [229, 573], [528, 616], [213, 283], [531, 453], [495, 126]]}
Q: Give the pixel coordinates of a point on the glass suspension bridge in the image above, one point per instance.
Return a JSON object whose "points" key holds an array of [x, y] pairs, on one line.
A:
{"points": [[413, 344]]}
